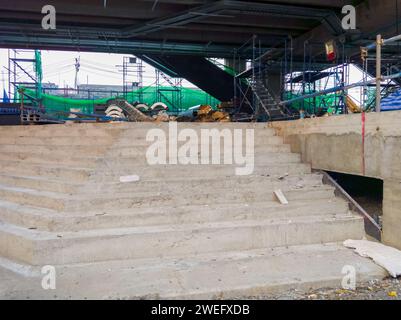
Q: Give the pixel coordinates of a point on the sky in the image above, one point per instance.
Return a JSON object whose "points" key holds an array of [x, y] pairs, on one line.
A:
{"points": [[59, 68], [98, 68]]}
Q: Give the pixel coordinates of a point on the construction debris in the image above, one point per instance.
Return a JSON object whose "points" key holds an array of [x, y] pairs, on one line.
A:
{"points": [[387, 257], [205, 113], [133, 114], [131, 178], [114, 111], [162, 116], [121, 109], [280, 196]]}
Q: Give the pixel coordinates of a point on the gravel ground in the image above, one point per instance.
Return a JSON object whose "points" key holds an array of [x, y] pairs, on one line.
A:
{"points": [[388, 289]]}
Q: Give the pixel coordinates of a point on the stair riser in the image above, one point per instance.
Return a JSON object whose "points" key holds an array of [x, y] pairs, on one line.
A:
{"points": [[260, 158], [19, 168], [111, 174], [198, 199], [186, 186], [35, 158], [85, 139], [176, 243], [40, 185], [68, 222], [257, 141], [44, 151], [104, 128], [180, 186], [36, 200], [60, 133], [57, 141], [270, 159], [136, 150]]}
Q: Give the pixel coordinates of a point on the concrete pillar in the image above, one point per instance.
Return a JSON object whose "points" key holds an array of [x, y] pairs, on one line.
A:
{"points": [[273, 83], [238, 66], [392, 212]]}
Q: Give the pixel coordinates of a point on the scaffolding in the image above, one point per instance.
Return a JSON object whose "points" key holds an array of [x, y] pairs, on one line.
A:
{"points": [[132, 71], [169, 91], [24, 69], [312, 87]]}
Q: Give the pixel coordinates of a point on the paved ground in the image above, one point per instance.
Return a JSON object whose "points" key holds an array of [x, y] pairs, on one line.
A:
{"points": [[388, 289]]}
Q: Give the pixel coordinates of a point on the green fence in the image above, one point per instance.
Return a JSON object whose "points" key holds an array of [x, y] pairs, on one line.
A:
{"points": [[176, 100]]}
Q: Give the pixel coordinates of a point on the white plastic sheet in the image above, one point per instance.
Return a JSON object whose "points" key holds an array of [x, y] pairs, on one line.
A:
{"points": [[387, 257]]}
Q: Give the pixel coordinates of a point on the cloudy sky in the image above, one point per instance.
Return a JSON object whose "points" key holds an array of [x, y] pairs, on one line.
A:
{"points": [[59, 68]]}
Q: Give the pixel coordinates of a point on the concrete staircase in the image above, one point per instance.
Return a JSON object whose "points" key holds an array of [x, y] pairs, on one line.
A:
{"points": [[62, 204]]}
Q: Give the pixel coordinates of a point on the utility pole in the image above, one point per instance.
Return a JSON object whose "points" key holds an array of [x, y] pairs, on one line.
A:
{"points": [[77, 66]]}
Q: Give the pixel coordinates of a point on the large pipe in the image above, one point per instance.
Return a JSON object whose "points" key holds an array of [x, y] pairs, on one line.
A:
{"points": [[339, 88], [384, 42]]}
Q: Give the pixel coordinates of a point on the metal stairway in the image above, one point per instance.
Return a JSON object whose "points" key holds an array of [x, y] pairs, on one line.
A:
{"points": [[197, 70], [266, 104]]}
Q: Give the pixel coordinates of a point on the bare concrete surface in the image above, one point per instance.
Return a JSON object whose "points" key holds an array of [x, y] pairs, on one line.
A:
{"points": [[179, 231], [225, 276], [336, 144]]}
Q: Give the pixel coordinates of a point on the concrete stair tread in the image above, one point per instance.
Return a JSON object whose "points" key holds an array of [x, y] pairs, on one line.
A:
{"points": [[177, 183], [7, 163], [32, 217], [263, 206], [214, 169], [248, 190], [93, 245], [40, 178], [40, 235], [251, 273], [71, 207], [208, 179], [31, 156], [34, 192], [130, 195]]}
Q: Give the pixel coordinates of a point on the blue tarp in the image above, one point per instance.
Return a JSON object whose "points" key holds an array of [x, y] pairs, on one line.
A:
{"points": [[392, 102], [6, 99]]}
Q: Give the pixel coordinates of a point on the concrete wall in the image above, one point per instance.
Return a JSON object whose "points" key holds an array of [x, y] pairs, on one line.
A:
{"points": [[336, 144]]}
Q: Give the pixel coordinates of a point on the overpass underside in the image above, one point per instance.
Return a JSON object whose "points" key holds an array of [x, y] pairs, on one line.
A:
{"points": [[279, 38], [194, 27]]}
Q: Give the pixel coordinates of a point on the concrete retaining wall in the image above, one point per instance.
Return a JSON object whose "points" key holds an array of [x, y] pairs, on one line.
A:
{"points": [[337, 144]]}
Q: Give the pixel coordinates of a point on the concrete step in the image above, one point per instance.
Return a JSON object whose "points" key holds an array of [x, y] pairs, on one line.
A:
{"points": [[106, 201], [141, 150], [88, 161], [96, 129], [112, 173], [55, 150], [17, 243], [260, 158], [49, 220], [59, 141], [32, 197], [75, 174], [258, 140], [69, 131], [156, 185], [230, 275], [103, 136], [40, 183], [53, 158], [129, 200], [181, 185]]}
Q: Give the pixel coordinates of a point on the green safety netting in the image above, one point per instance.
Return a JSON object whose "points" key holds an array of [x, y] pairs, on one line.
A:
{"points": [[313, 105], [176, 100]]}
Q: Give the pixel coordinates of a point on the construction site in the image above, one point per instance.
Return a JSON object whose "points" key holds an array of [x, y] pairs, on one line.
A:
{"points": [[222, 149]]}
